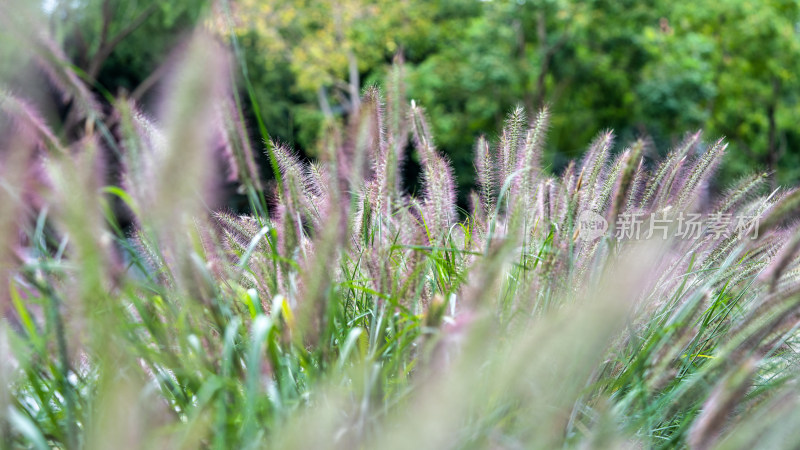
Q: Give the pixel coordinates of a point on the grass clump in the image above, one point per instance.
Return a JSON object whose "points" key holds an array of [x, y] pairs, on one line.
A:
{"points": [[343, 312]]}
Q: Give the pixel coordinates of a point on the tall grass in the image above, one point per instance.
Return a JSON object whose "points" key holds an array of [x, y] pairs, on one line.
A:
{"points": [[346, 313]]}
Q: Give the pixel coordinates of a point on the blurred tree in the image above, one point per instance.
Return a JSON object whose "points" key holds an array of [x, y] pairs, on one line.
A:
{"points": [[581, 58], [730, 67], [657, 69], [113, 45], [121, 44], [328, 47]]}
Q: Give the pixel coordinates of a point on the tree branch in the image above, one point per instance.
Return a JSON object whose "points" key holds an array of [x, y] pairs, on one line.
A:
{"points": [[107, 47], [322, 97], [149, 82], [355, 82]]}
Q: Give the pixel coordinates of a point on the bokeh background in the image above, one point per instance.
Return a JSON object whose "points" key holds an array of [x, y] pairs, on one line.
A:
{"points": [[655, 69]]}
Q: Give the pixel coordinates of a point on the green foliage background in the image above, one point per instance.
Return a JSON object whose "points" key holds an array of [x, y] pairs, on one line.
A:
{"points": [[652, 69], [646, 69]]}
